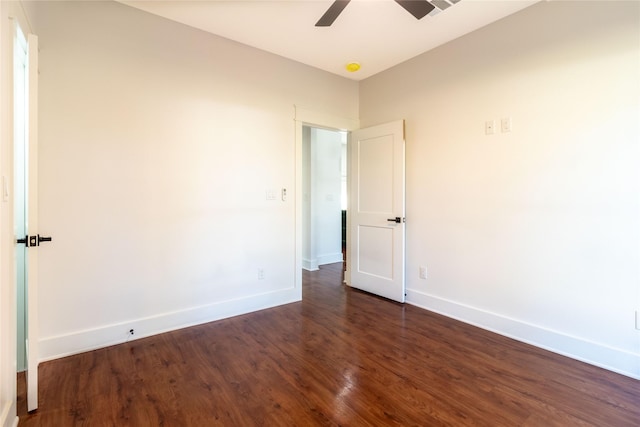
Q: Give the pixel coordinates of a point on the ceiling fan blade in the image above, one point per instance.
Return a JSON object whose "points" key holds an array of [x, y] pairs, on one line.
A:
{"points": [[332, 13], [418, 8]]}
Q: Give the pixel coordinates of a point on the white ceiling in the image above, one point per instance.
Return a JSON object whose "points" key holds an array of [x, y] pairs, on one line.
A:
{"points": [[376, 33]]}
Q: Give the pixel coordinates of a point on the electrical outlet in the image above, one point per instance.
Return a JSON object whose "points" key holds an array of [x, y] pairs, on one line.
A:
{"points": [[261, 274], [423, 272], [489, 127], [130, 333]]}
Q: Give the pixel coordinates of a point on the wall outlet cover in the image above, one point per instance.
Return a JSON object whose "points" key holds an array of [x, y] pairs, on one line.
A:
{"points": [[489, 127]]}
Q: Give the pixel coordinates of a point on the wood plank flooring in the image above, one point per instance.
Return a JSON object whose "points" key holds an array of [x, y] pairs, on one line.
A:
{"points": [[340, 357]]}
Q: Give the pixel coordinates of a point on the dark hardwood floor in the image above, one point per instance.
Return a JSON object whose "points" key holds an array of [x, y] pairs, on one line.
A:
{"points": [[340, 357]]}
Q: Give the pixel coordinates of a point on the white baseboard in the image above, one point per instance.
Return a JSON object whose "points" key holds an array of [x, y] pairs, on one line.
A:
{"points": [[330, 258], [314, 264], [8, 416], [91, 339], [310, 264], [613, 359]]}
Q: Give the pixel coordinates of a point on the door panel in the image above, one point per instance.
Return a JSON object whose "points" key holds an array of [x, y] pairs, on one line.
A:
{"points": [[32, 218], [375, 255], [377, 196], [376, 172]]}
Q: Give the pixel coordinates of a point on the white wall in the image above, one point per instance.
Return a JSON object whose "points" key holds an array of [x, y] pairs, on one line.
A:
{"points": [[533, 233], [326, 157], [158, 144], [322, 157], [308, 244]]}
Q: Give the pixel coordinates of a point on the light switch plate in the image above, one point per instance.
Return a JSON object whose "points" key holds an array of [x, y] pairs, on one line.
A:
{"points": [[5, 189], [505, 124]]}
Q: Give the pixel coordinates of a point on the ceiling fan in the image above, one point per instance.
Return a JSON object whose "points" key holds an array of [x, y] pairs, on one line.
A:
{"points": [[418, 8]]}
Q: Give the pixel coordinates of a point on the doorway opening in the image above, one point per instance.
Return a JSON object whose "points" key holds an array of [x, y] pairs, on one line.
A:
{"points": [[324, 189]]}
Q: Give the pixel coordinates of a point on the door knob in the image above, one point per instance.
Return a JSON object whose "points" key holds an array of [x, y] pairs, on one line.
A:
{"points": [[31, 241], [43, 239], [396, 219]]}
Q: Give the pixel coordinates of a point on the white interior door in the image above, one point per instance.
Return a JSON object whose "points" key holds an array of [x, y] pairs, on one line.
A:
{"points": [[32, 225], [26, 206], [376, 210]]}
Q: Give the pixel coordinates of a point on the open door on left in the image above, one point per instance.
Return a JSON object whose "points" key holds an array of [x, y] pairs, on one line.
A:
{"points": [[33, 355], [26, 206]]}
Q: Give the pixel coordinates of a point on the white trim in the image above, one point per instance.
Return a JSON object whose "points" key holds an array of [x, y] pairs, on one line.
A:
{"points": [[613, 359], [8, 302], [314, 264], [310, 264], [330, 258], [324, 120], [91, 339], [7, 415]]}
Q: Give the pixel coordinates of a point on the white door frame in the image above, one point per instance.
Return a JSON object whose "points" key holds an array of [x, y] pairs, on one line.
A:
{"points": [[306, 117]]}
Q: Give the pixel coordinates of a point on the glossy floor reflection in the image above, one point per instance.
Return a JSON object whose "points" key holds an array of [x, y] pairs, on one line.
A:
{"points": [[340, 357]]}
